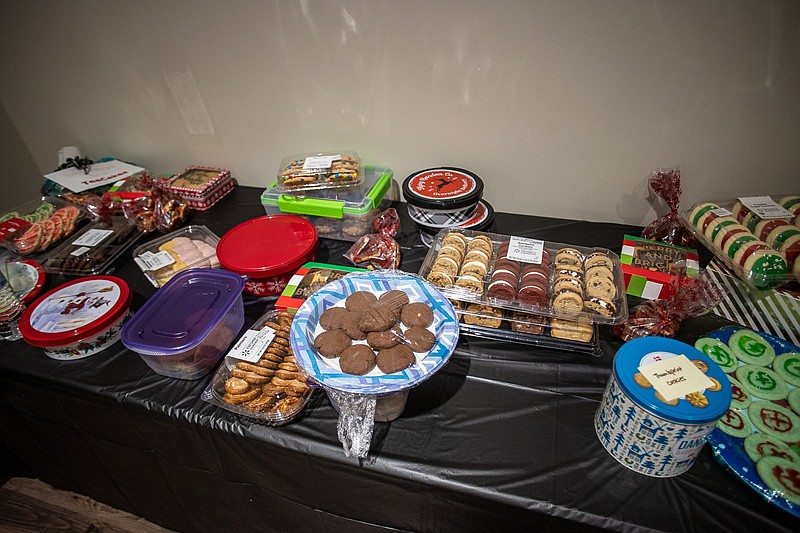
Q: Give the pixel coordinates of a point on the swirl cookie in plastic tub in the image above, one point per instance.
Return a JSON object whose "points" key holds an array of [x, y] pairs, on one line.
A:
{"points": [[189, 247], [321, 170], [573, 283], [260, 378], [756, 237]]}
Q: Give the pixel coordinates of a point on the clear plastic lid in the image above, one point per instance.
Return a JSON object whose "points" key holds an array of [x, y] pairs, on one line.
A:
{"points": [[36, 226], [528, 275], [758, 238], [268, 387], [321, 170], [179, 316], [93, 249], [334, 203], [189, 247]]}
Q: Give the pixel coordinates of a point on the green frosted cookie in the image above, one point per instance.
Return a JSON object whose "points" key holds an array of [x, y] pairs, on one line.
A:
{"points": [[751, 348], [719, 352], [740, 398], [735, 424], [794, 400], [775, 420], [778, 474], [760, 445], [762, 382], [787, 366]]}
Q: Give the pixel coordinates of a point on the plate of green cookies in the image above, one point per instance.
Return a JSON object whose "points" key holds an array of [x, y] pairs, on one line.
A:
{"points": [[758, 438]]}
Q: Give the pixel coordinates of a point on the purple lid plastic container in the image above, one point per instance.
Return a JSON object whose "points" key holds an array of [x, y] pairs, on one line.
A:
{"points": [[183, 312]]}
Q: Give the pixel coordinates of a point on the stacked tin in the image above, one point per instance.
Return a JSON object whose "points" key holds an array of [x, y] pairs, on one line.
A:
{"points": [[446, 197]]}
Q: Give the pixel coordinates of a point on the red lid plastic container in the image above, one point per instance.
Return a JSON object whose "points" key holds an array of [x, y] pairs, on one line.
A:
{"points": [[268, 250], [185, 328], [78, 319]]}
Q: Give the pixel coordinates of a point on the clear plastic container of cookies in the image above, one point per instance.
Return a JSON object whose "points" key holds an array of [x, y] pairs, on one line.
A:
{"points": [[258, 378], [320, 170], [36, 226], [94, 249], [758, 238], [526, 328], [189, 247], [513, 274]]}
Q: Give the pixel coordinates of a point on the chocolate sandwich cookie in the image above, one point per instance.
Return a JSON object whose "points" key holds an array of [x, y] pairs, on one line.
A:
{"points": [[508, 264], [568, 270], [598, 272], [502, 290], [536, 277], [533, 295]]}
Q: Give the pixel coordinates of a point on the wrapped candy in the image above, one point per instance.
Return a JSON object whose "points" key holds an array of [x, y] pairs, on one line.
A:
{"points": [[689, 297], [157, 208], [666, 184], [102, 208], [378, 250]]}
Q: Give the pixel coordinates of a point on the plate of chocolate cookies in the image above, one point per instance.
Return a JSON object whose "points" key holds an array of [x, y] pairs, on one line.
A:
{"points": [[374, 332]]}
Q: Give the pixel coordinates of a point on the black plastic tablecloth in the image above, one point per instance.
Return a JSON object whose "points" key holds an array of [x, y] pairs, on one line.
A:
{"points": [[500, 439]]}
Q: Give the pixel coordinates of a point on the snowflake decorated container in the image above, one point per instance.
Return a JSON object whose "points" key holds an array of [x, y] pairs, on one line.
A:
{"points": [[78, 319], [645, 433], [268, 250]]}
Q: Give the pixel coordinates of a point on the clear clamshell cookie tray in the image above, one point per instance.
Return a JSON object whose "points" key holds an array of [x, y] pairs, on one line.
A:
{"points": [[758, 238], [490, 272]]}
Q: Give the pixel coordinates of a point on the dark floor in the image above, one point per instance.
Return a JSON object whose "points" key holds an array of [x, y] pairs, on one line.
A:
{"points": [[30, 505]]}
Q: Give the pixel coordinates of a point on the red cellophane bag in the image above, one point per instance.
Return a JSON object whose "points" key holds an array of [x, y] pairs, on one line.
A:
{"points": [[378, 250], [666, 184]]}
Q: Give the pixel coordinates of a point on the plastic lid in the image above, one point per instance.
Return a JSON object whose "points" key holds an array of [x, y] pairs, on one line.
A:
{"points": [[75, 311], [180, 315], [267, 246], [443, 188], [642, 351]]}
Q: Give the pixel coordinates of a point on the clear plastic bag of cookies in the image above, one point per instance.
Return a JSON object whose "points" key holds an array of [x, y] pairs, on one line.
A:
{"points": [[321, 170], [259, 378]]}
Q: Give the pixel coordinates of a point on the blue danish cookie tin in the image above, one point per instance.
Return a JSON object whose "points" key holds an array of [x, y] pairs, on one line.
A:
{"points": [[644, 432]]}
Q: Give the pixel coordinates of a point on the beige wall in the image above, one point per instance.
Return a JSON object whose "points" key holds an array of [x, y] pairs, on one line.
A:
{"points": [[563, 107]]}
